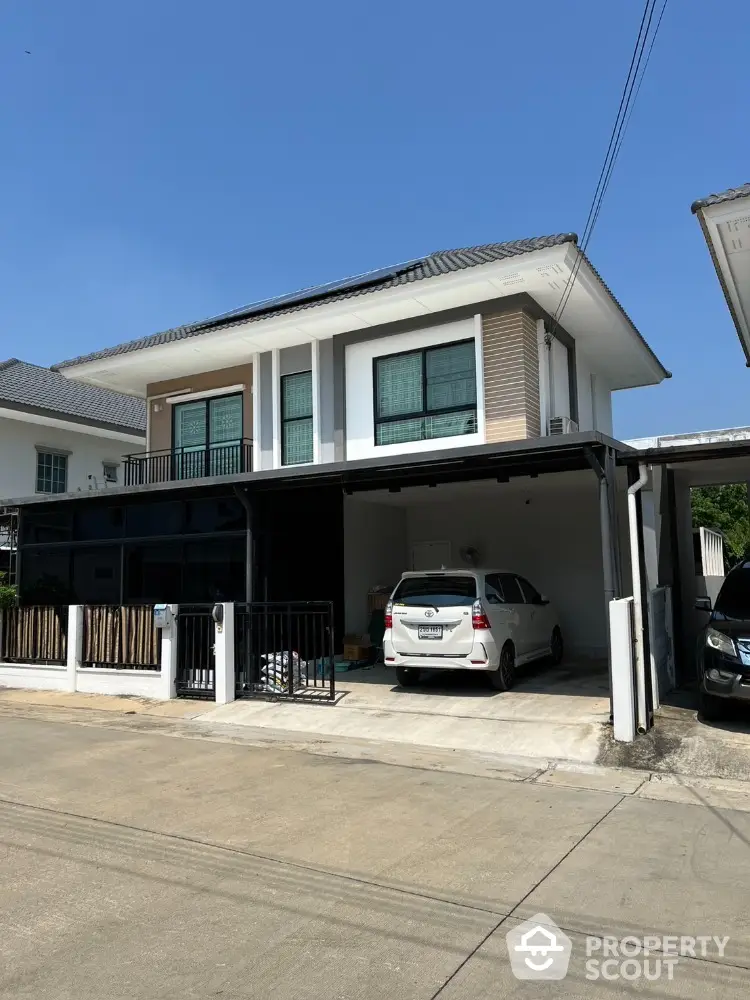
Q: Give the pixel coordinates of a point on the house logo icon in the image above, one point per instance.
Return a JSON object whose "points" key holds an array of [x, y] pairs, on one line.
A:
{"points": [[538, 949]]}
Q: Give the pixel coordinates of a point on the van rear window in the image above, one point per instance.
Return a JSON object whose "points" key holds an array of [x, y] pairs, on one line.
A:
{"points": [[436, 591]]}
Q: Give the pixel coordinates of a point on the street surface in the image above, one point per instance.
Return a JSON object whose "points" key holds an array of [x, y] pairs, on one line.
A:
{"points": [[144, 864]]}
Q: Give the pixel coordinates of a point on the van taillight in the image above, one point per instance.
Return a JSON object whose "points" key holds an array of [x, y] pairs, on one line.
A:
{"points": [[479, 619], [389, 615]]}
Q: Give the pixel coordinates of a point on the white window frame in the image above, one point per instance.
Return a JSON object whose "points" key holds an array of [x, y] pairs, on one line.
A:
{"points": [[360, 411], [54, 453]]}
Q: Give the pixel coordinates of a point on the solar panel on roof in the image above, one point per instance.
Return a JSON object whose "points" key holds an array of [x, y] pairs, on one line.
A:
{"points": [[317, 291]]}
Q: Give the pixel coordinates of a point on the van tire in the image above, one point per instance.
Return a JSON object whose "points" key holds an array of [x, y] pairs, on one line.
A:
{"points": [[408, 676], [504, 677], [556, 647]]}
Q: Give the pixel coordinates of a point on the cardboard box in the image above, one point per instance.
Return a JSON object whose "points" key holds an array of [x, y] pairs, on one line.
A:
{"points": [[357, 647]]}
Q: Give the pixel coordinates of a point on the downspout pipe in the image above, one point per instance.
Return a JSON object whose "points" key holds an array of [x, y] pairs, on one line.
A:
{"points": [[641, 709], [245, 501], [608, 559]]}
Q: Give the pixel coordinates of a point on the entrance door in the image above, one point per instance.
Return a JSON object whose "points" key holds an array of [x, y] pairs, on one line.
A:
{"points": [[208, 437]]}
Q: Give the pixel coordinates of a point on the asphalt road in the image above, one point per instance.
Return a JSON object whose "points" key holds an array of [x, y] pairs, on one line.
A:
{"points": [[138, 865]]}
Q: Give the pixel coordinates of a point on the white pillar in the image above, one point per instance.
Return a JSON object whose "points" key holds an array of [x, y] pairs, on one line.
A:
{"points": [[168, 678], [276, 401], [623, 679], [256, 459], [75, 644], [316, 400], [224, 656]]}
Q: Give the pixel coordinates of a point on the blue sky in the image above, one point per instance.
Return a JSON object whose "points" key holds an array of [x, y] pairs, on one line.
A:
{"points": [[168, 160]]}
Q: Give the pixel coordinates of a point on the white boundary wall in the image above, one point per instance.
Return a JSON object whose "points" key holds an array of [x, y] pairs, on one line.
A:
{"points": [[157, 684]]}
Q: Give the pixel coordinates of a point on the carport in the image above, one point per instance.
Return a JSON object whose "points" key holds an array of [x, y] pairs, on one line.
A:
{"points": [[677, 463], [543, 508]]}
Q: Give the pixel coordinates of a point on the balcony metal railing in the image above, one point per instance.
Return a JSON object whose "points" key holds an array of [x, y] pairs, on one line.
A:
{"points": [[188, 463]]}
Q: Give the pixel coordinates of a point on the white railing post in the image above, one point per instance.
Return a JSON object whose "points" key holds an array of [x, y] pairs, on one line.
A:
{"points": [[224, 656], [74, 644], [623, 674], [168, 675]]}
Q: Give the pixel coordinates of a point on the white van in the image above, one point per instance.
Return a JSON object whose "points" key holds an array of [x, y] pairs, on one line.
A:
{"points": [[468, 619]]}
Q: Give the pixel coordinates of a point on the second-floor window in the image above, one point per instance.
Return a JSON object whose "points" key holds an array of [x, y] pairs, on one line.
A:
{"points": [[207, 437], [296, 418], [51, 472], [426, 394]]}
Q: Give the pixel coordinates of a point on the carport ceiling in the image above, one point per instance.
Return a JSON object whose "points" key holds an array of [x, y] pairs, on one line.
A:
{"points": [[715, 472], [413, 496], [707, 464]]}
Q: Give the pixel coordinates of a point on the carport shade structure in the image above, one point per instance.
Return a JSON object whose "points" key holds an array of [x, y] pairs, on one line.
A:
{"points": [[505, 461], [703, 459], [270, 540]]}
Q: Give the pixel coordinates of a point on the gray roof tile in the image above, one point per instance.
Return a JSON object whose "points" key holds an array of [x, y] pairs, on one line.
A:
{"points": [[440, 262], [31, 387], [716, 199]]}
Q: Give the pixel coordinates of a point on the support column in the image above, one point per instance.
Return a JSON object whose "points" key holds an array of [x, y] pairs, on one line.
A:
{"points": [[650, 531], [638, 478], [316, 399], [623, 680], [75, 644], [605, 475], [224, 656], [168, 678]]}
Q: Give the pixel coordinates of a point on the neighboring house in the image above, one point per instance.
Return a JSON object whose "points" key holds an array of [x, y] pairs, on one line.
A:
{"points": [[58, 436], [725, 221], [317, 444]]}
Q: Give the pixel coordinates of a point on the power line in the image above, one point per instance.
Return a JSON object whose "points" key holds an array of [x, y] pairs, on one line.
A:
{"points": [[636, 71]]}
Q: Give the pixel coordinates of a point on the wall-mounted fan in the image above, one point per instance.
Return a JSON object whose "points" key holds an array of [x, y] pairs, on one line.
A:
{"points": [[469, 555]]}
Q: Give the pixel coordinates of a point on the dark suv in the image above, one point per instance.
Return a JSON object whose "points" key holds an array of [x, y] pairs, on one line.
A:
{"points": [[724, 645]]}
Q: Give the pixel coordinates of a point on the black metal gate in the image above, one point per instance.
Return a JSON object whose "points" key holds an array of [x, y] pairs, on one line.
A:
{"points": [[284, 650], [196, 674]]}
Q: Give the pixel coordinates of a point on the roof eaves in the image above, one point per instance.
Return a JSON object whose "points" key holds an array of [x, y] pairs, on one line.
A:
{"points": [[731, 194], [723, 283], [72, 418], [665, 371], [431, 266]]}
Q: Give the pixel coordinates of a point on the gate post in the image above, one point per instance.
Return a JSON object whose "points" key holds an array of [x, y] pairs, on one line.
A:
{"points": [[168, 664], [224, 656], [74, 653]]}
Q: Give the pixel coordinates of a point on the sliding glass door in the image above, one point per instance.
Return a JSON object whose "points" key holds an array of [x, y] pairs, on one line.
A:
{"points": [[208, 437]]}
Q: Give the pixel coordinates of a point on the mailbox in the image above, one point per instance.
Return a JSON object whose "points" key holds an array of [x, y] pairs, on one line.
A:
{"points": [[162, 615]]}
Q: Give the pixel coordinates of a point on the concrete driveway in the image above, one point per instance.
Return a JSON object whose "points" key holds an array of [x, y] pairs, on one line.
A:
{"points": [[552, 712], [139, 865]]}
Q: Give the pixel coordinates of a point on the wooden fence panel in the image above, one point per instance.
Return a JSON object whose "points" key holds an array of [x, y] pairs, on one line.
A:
{"points": [[35, 635], [121, 637]]}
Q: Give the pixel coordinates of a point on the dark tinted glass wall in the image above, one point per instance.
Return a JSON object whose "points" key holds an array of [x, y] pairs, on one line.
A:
{"points": [[174, 551], [97, 521]]}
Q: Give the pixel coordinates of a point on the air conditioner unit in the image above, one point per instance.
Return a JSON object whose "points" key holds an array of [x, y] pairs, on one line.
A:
{"points": [[562, 425]]}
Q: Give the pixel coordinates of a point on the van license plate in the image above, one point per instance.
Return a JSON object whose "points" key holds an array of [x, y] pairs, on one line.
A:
{"points": [[430, 632]]}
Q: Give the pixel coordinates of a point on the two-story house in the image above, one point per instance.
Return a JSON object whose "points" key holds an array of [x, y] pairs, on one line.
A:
{"points": [[315, 445], [59, 436]]}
